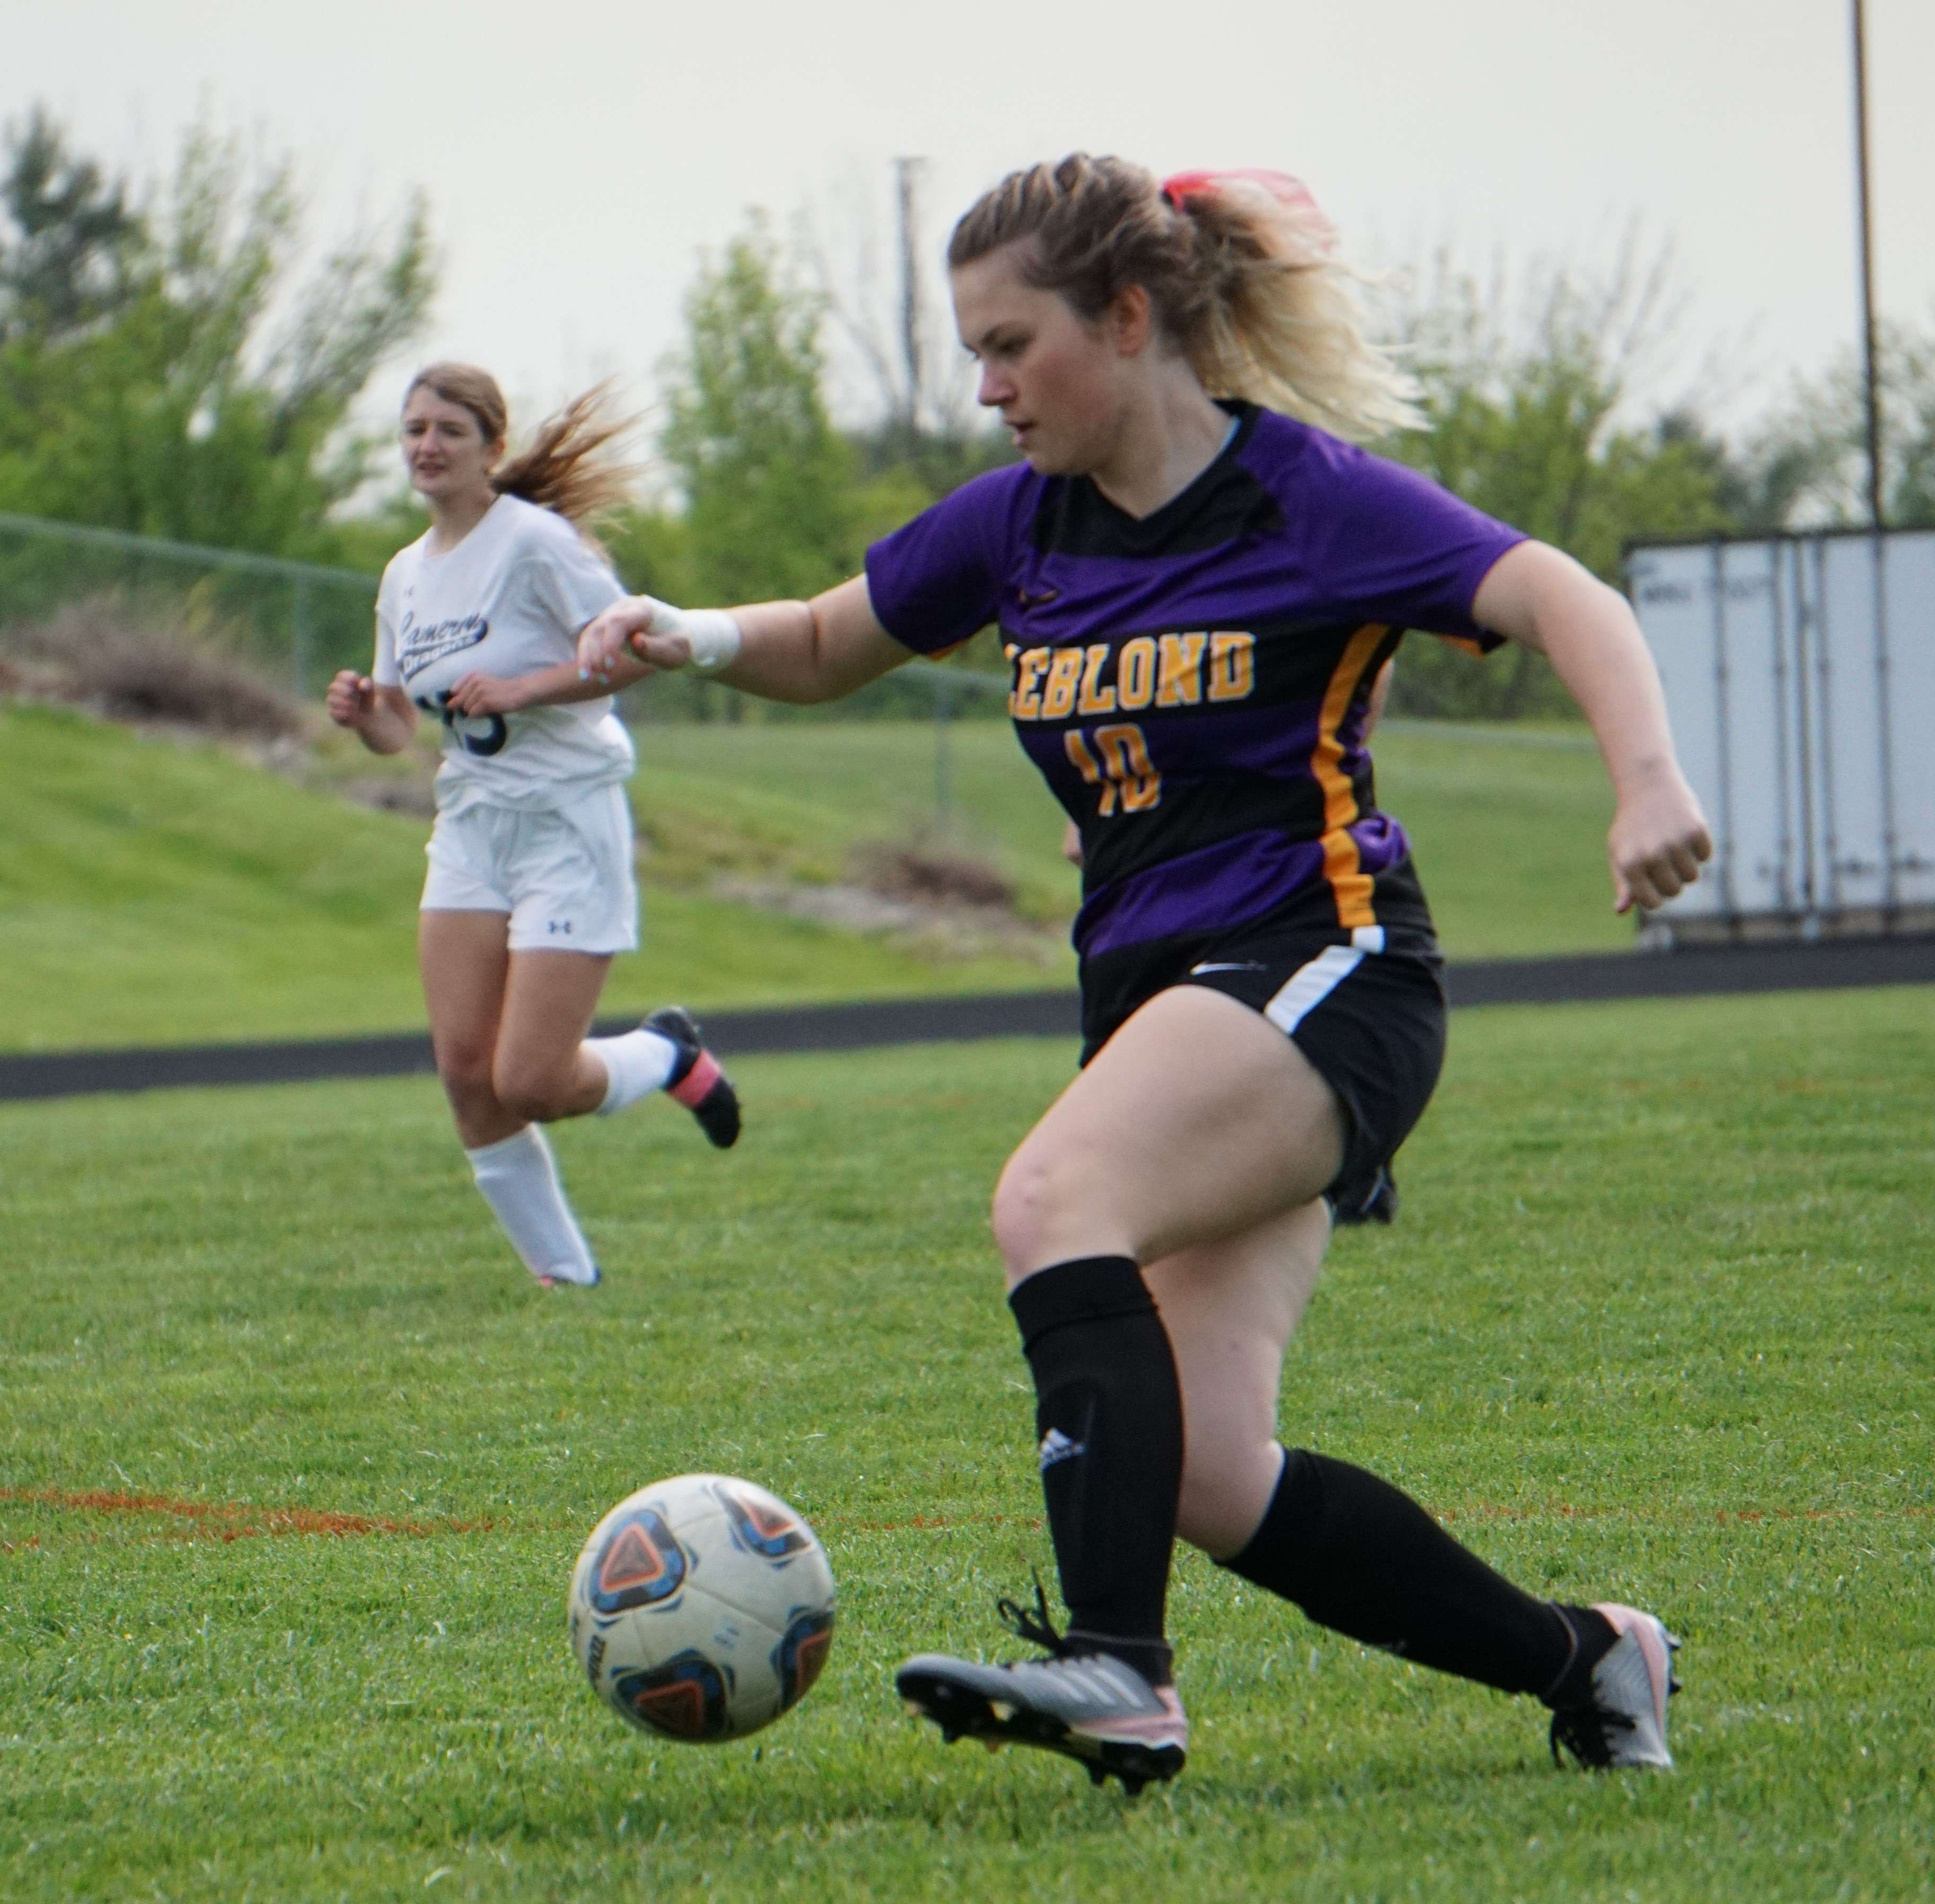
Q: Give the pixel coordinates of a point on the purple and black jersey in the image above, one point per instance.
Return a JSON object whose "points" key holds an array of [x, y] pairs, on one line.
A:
{"points": [[1193, 684]]}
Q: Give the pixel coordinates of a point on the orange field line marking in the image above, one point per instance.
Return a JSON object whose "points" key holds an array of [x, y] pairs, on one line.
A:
{"points": [[1721, 1516], [926, 1523], [239, 1520]]}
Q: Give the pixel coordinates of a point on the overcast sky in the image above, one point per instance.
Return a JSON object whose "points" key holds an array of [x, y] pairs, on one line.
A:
{"points": [[579, 155]]}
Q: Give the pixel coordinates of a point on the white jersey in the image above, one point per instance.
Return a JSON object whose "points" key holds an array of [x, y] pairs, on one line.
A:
{"points": [[508, 600]]}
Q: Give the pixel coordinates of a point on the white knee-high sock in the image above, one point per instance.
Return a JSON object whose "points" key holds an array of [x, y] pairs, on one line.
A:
{"points": [[637, 1064], [520, 1182]]}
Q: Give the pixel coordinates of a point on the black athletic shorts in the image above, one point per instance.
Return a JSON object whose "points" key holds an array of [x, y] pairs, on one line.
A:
{"points": [[1366, 1008]]}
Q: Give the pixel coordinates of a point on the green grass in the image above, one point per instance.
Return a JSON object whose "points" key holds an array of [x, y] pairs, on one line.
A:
{"points": [[1508, 828], [1509, 824], [154, 892], [1657, 1323], [798, 798]]}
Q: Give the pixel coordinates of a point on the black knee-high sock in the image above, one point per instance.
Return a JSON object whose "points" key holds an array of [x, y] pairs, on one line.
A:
{"points": [[1109, 1409], [1357, 1555]]}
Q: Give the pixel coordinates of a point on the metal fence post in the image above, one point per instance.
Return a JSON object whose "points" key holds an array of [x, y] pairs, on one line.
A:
{"points": [[299, 638], [1723, 721], [943, 764], [1891, 844]]}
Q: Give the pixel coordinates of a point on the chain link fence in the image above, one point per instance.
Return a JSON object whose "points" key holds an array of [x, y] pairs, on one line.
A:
{"points": [[295, 623]]}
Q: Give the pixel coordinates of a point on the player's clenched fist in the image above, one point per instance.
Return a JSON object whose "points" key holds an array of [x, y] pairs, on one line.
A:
{"points": [[659, 634], [352, 698], [1659, 839]]}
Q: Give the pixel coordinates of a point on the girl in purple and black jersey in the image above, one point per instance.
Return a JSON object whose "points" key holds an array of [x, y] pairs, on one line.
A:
{"points": [[1198, 581]]}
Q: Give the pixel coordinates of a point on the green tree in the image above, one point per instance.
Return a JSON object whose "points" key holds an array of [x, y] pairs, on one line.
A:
{"points": [[767, 480], [70, 258], [1536, 426], [899, 359], [1807, 464], [146, 386], [777, 502]]}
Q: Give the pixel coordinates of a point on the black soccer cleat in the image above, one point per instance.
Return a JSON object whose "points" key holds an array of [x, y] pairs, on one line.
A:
{"points": [[1089, 1707], [696, 1080]]}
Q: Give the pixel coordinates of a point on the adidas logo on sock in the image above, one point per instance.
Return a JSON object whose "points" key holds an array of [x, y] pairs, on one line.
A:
{"points": [[1056, 1446]]}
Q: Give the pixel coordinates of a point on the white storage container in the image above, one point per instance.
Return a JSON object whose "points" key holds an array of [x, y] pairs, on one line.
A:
{"points": [[1799, 674]]}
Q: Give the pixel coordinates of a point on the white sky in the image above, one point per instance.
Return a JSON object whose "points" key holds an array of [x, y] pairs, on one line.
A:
{"points": [[577, 154]]}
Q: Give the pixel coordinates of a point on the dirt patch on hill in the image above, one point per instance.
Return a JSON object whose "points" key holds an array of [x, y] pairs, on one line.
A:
{"points": [[932, 897], [931, 873], [937, 931]]}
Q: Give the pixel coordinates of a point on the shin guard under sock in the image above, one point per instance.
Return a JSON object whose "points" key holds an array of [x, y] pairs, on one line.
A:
{"points": [[1358, 1555], [1109, 1409], [519, 1178]]}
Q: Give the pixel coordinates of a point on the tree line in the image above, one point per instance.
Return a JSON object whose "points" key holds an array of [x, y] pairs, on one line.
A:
{"points": [[169, 367]]}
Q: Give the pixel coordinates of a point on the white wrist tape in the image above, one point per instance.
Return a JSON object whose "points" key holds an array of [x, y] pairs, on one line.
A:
{"points": [[714, 635]]}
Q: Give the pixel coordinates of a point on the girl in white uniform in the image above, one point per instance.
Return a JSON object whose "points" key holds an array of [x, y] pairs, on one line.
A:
{"points": [[530, 891]]}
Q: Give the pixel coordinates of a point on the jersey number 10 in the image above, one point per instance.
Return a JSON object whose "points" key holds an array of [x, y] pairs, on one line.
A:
{"points": [[1124, 771]]}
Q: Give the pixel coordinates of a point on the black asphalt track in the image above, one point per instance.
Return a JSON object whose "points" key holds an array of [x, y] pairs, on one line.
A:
{"points": [[1682, 973]]}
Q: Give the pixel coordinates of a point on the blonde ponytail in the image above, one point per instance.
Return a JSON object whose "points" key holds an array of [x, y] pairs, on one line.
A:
{"points": [[1241, 267], [1283, 325]]}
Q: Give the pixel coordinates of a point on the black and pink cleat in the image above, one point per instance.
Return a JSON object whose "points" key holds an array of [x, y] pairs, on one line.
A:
{"points": [[697, 1081]]}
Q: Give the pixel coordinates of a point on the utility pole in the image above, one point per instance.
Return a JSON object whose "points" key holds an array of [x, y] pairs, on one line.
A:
{"points": [[1890, 859], [1871, 386], [906, 178]]}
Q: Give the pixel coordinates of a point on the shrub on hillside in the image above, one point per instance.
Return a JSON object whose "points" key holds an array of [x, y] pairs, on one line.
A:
{"points": [[928, 873], [146, 662]]}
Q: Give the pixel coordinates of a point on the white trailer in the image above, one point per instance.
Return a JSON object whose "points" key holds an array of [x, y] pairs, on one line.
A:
{"points": [[1799, 674]]}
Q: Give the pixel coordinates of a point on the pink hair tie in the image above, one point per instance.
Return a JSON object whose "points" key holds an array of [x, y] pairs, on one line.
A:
{"points": [[1304, 235]]}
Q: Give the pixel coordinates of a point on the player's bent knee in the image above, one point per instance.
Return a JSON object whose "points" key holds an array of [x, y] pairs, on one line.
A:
{"points": [[1040, 1203], [1023, 1198], [534, 1106], [1214, 1526], [1221, 1503], [536, 1097], [466, 1072]]}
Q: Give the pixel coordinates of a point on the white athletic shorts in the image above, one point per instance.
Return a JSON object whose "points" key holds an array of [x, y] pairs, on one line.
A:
{"points": [[564, 876]]}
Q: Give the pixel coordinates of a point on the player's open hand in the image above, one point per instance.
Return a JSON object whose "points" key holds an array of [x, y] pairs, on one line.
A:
{"points": [[350, 699], [477, 694], [641, 626], [1657, 842]]}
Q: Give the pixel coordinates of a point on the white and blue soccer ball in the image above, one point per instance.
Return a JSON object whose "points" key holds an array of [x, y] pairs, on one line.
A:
{"points": [[701, 1608]]}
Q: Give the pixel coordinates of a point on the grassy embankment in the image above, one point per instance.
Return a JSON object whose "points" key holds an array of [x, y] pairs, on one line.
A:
{"points": [[296, 1462], [154, 892]]}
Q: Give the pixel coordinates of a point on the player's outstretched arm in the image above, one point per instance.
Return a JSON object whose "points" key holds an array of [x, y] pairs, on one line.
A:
{"points": [[799, 651], [478, 694], [1536, 595]]}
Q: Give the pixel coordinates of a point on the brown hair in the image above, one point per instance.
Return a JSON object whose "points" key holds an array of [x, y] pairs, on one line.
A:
{"points": [[1238, 266], [560, 468]]}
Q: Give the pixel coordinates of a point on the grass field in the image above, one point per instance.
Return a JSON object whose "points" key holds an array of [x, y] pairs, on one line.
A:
{"points": [[153, 892], [1509, 823], [296, 1462]]}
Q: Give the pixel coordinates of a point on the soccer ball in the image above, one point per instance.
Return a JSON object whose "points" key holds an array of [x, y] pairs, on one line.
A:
{"points": [[701, 1608]]}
